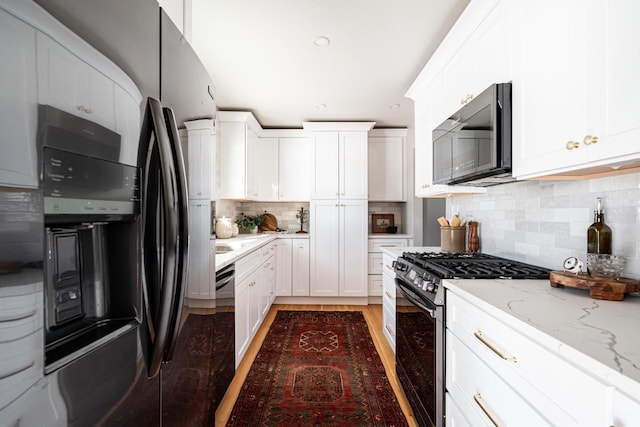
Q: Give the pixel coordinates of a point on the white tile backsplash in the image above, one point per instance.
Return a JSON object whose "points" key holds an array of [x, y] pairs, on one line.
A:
{"points": [[544, 222]]}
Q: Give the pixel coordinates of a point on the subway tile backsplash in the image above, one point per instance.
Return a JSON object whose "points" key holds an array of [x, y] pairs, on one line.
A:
{"points": [[545, 222], [285, 212]]}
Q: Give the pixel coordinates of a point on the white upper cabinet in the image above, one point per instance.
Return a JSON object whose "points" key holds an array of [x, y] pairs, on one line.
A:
{"points": [[283, 167], [339, 160], [294, 161], [238, 162], [268, 167], [200, 152], [577, 97], [70, 84], [19, 120], [387, 156], [476, 53]]}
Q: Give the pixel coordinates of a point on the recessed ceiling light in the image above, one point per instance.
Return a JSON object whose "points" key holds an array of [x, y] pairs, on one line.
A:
{"points": [[321, 106], [394, 106], [321, 41]]}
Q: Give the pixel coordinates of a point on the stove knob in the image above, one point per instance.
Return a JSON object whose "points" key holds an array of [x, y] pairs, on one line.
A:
{"points": [[431, 287]]}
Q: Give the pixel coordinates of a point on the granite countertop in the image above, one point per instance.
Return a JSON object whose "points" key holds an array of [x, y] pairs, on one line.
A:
{"points": [[601, 337], [244, 244]]}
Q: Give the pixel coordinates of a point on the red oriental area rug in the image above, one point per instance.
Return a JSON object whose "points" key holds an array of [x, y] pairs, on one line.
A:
{"points": [[317, 368]]}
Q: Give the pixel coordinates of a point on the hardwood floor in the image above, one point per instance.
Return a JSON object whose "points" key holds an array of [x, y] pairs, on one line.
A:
{"points": [[373, 316]]}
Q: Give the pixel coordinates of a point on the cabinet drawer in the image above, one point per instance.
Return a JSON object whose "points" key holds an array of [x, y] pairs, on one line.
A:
{"points": [[247, 264], [375, 263], [375, 285], [626, 411], [376, 245], [389, 324], [387, 265], [268, 250], [569, 396], [485, 395]]}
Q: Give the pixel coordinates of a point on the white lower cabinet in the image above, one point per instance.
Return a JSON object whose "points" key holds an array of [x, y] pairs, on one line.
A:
{"points": [[375, 260], [625, 410], [495, 371], [292, 261], [338, 248], [389, 300], [255, 282]]}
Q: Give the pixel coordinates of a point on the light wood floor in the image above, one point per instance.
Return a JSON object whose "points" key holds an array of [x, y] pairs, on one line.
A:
{"points": [[373, 316]]}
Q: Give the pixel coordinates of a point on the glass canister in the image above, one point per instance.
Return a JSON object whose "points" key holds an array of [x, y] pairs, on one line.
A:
{"points": [[452, 239]]}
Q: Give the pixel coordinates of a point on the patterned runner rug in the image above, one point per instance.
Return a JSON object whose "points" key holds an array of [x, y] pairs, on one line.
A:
{"points": [[317, 368]]}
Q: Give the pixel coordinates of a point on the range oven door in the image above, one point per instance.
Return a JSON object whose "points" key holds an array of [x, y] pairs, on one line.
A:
{"points": [[420, 354]]}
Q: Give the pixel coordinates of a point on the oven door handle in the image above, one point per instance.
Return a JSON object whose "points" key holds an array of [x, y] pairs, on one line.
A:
{"points": [[415, 301]]}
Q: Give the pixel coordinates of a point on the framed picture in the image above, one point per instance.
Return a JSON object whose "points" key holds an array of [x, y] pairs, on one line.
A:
{"points": [[381, 222]]}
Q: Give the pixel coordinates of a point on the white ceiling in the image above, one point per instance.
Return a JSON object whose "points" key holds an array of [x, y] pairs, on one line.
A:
{"points": [[262, 58]]}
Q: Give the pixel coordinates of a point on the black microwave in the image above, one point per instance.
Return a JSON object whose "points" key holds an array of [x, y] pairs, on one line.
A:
{"points": [[473, 146]]}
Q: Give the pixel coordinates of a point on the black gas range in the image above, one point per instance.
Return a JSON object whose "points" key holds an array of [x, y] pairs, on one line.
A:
{"points": [[420, 320], [425, 271]]}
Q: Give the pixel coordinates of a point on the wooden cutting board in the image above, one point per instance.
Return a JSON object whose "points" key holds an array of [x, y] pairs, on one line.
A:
{"points": [[605, 288], [269, 223]]}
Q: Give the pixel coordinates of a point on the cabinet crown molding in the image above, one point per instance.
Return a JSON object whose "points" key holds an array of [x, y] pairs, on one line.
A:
{"points": [[338, 126], [199, 124]]}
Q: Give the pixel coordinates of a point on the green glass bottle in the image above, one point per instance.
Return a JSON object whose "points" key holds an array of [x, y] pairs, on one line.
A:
{"points": [[599, 233]]}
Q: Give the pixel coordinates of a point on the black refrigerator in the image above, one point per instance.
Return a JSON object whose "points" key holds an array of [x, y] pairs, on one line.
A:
{"points": [[133, 355]]}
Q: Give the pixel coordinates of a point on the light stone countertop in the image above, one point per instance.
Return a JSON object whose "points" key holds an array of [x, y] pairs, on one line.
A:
{"points": [[244, 244], [600, 337]]}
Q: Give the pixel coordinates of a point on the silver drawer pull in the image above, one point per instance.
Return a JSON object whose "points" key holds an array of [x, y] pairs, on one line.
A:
{"points": [[484, 341], [478, 399], [389, 330], [389, 295]]}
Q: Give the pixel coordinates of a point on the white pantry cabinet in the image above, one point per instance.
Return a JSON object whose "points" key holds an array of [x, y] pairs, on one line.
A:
{"points": [[577, 94], [238, 161], [338, 248], [339, 160], [200, 156], [19, 120], [387, 157], [200, 285], [70, 84]]}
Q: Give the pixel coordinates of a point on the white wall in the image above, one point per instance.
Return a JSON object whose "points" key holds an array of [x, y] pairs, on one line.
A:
{"points": [[545, 222]]}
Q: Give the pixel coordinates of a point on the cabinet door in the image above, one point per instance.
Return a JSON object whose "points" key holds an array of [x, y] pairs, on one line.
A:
{"points": [[198, 284], [242, 318], [324, 168], [253, 165], [268, 167], [68, 83], [300, 267], [18, 103], [294, 169], [231, 141], [127, 124], [386, 168], [353, 248], [254, 306], [549, 112], [613, 86], [352, 160], [199, 158], [324, 251], [284, 255], [266, 286]]}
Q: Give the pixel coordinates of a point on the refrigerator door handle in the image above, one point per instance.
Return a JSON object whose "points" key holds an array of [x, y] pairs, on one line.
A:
{"points": [[169, 233], [182, 256]]}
